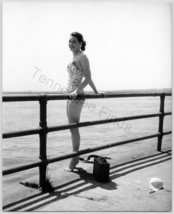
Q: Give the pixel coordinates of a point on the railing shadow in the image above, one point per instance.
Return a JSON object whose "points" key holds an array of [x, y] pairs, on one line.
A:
{"points": [[87, 182], [143, 163]]}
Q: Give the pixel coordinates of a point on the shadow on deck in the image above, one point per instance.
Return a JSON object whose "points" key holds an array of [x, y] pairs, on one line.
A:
{"points": [[82, 181]]}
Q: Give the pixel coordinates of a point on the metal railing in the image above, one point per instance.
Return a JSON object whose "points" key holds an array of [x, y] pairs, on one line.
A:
{"points": [[43, 130]]}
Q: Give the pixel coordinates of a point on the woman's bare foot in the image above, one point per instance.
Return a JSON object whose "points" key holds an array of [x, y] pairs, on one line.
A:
{"points": [[72, 165], [68, 169]]}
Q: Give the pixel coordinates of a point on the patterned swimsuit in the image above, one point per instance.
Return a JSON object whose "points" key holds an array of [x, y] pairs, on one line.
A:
{"points": [[74, 80]]}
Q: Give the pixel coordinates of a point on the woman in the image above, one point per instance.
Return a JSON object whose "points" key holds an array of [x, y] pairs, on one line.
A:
{"points": [[79, 77]]}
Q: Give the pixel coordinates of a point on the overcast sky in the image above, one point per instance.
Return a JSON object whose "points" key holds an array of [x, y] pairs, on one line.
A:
{"points": [[128, 44]]}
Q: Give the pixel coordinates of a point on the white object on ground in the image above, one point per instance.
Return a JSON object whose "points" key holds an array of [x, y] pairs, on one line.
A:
{"points": [[155, 184]]}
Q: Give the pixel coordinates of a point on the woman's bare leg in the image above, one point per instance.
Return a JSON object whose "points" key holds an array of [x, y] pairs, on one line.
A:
{"points": [[73, 114]]}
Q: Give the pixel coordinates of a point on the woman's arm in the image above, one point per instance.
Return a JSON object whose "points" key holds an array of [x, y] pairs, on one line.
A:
{"points": [[87, 73], [91, 83]]}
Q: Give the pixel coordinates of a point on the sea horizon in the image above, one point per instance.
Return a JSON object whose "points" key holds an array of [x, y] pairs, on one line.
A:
{"points": [[153, 90]]}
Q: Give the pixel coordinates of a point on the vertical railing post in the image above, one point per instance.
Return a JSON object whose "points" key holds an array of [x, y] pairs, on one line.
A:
{"points": [[161, 120], [43, 141]]}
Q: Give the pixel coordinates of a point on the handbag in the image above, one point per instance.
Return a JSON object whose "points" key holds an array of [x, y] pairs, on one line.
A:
{"points": [[101, 168]]}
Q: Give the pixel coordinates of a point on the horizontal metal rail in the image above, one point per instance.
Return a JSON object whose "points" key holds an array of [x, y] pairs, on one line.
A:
{"points": [[81, 124], [89, 150], [81, 152], [99, 122], [19, 98], [22, 168], [21, 133], [110, 95]]}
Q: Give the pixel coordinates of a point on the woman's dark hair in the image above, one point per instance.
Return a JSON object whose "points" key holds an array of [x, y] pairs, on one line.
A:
{"points": [[79, 37]]}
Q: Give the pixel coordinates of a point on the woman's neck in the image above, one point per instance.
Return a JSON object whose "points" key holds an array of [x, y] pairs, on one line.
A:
{"points": [[76, 54]]}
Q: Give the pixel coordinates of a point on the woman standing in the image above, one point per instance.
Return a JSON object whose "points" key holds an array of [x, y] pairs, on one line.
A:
{"points": [[79, 77]]}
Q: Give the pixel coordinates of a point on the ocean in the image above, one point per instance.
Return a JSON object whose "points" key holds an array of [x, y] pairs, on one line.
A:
{"points": [[25, 115]]}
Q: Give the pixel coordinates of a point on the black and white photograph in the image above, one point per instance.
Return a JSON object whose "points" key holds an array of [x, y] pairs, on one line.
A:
{"points": [[86, 110]]}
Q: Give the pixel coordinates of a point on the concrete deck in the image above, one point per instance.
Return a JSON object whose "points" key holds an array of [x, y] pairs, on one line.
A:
{"points": [[131, 168]]}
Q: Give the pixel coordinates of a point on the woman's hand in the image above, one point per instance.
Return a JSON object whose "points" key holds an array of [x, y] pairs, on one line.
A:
{"points": [[96, 92], [75, 93], [100, 93]]}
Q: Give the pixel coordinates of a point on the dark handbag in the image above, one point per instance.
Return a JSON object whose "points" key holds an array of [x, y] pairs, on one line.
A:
{"points": [[101, 168]]}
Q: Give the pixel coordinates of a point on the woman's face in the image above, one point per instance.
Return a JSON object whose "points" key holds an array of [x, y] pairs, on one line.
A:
{"points": [[74, 44]]}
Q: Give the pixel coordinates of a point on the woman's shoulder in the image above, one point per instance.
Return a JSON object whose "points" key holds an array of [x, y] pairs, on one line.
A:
{"points": [[83, 57]]}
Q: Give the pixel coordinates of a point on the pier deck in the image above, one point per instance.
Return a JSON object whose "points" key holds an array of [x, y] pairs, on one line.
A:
{"points": [[131, 167]]}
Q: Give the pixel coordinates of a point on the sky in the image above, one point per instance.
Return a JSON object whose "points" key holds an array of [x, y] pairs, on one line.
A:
{"points": [[128, 44]]}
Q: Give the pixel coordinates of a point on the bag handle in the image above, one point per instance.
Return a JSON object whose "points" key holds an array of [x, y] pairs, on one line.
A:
{"points": [[93, 156]]}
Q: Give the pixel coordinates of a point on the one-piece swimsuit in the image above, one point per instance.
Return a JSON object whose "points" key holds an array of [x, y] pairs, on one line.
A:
{"points": [[75, 76]]}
